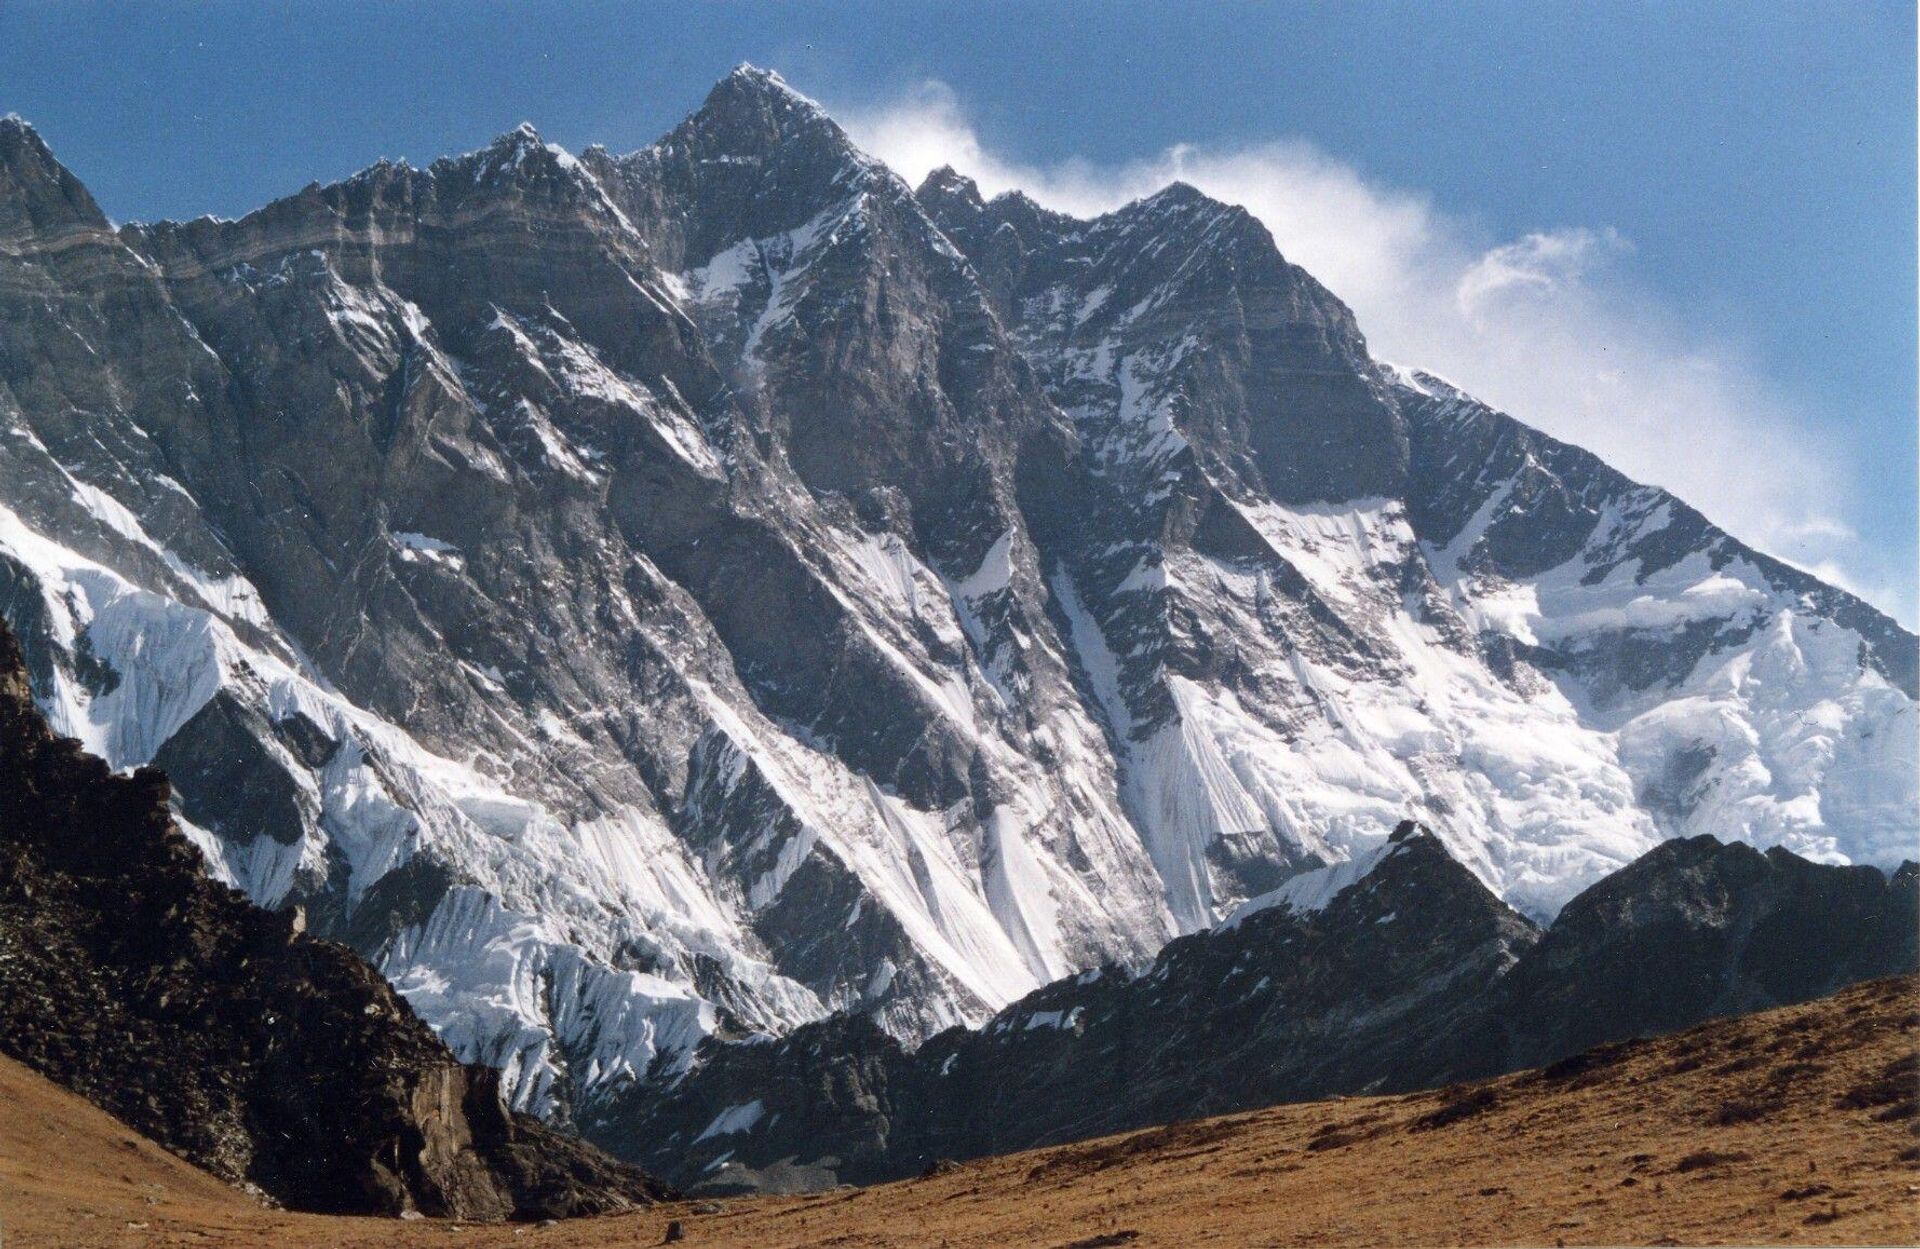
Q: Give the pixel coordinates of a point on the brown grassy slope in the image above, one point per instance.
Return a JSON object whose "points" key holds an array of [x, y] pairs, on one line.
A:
{"points": [[1793, 1126]]}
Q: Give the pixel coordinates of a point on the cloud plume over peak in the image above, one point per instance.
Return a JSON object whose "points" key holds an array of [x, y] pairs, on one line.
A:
{"points": [[1543, 262], [1547, 326]]}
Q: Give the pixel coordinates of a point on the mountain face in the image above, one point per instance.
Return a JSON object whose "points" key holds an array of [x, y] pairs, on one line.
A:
{"points": [[634, 599], [218, 1029], [1398, 970], [1310, 568]]}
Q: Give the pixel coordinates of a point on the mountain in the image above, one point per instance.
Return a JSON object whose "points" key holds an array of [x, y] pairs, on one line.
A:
{"points": [[1396, 971], [1311, 568], [633, 599], [225, 1033]]}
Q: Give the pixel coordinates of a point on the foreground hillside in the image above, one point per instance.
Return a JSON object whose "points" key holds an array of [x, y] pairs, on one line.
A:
{"points": [[1795, 1126]]}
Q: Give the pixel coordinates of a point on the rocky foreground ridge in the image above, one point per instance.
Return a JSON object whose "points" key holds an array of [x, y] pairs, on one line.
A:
{"points": [[1793, 1126], [273, 1059], [1399, 973]]}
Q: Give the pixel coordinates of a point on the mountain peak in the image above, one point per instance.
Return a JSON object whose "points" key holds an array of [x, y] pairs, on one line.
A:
{"points": [[1411, 845], [37, 192], [518, 156], [752, 117], [949, 184], [751, 86], [1180, 195], [522, 138], [1406, 829], [748, 72]]}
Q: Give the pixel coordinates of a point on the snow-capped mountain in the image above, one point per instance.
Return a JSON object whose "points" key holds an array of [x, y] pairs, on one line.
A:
{"points": [[633, 598]]}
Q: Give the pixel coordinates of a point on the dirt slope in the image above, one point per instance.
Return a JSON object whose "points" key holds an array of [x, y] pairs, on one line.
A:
{"points": [[1794, 1126]]}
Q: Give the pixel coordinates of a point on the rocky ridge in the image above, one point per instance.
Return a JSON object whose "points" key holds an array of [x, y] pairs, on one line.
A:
{"points": [[1393, 973]]}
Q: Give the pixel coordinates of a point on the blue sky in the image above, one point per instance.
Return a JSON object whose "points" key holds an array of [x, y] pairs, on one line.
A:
{"points": [[1682, 234]]}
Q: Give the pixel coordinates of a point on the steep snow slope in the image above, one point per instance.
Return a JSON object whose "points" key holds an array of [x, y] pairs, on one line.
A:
{"points": [[1745, 698], [637, 597]]}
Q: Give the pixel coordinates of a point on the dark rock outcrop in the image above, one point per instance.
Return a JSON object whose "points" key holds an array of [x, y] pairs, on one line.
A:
{"points": [[1699, 928], [222, 1031]]}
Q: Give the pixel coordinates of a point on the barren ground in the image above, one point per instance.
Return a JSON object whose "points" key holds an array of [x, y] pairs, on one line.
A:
{"points": [[1795, 1126]]}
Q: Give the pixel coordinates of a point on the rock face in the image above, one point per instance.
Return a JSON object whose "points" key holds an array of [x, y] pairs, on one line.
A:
{"points": [[1393, 972], [1697, 928], [218, 1029], [635, 599]]}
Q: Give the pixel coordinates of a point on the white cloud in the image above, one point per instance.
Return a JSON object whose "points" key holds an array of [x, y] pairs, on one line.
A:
{"points": [[1815, 527], [1545, 326], [1542, 263]]}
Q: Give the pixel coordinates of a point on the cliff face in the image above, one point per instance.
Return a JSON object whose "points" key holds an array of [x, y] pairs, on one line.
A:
{"points": [[224, 1032]]}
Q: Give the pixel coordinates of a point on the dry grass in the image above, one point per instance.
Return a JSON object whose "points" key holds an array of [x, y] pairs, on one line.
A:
{"points": [[1795, 1127]]}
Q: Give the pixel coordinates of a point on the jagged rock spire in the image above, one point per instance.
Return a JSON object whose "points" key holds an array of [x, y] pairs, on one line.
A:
{"points": [[752, 114], [38, 195], [946, 192]]}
